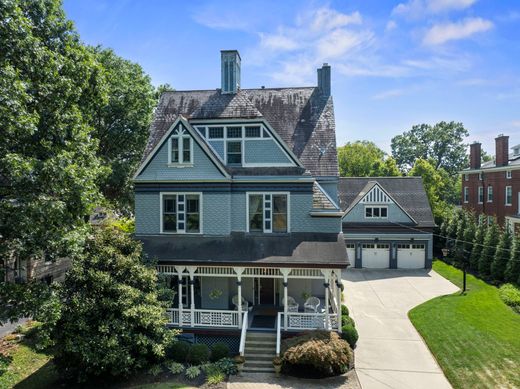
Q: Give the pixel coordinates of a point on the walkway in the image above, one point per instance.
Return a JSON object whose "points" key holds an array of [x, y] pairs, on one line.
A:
{"points": [[269, 381], [390, 353]]}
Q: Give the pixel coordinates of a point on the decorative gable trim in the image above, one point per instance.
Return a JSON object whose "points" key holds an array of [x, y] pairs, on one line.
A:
{"points": [[369, 188], [196, 137], [377, 196]]}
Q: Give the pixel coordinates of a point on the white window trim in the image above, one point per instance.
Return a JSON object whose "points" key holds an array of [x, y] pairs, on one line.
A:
{"points": [[492, 194], [376, 217], [185, 135], [480, 189], [466, 195], [466, 177], [509, 174], [480, 176], [288, 194], [243, 139], [201, 224], [505, 196]]}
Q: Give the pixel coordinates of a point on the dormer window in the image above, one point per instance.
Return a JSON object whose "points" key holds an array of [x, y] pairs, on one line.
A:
{"points": [[180, 148], [234, 152]]}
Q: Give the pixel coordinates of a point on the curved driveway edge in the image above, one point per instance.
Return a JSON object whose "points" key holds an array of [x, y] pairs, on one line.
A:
{"points": [[390, 352]]}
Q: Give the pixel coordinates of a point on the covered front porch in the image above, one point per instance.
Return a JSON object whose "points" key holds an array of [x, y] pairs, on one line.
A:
{"points": [[238, 298]]}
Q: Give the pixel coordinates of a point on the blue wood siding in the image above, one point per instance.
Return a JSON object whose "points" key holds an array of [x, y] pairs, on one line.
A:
{"points": [[331, 187], [158, 169], [301, 221], [218, 146], [395, 214], [264, 151], [147, 213]]}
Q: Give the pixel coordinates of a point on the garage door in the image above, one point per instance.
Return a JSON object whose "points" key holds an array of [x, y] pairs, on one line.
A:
{"points": [[410, 256], [375, 255], [351, 253]]}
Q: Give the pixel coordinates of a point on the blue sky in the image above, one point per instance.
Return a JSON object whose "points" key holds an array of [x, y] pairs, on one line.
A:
{"points": [[394, 63]]}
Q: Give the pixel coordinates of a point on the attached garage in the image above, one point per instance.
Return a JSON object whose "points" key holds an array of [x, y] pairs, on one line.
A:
{"points": [[375, 255], [411, 256]]}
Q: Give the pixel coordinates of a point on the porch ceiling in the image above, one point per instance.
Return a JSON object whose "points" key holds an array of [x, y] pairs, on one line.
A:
{"points": [[291, 250]]}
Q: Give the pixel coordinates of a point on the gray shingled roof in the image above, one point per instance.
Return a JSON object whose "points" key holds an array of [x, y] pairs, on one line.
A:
{"points": [[305, 249], [408, 192], [320, 200], [302, 117]]}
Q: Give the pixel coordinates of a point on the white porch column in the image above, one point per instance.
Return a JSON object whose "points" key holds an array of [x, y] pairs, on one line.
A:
{"points": [[285, 272], [239, 271], [327, 276], [180, 270], [339, 286], [191, 271]]}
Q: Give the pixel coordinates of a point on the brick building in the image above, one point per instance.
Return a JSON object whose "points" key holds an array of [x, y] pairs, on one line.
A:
{"points": [[493, 188]]}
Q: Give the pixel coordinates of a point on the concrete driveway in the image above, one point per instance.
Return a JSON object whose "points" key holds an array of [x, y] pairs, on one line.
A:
{"points": [[390, 352]]}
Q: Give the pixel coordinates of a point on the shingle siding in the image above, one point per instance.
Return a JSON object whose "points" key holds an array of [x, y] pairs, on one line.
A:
{"points": [[158, 169], [147, 213], [302, 221], [264, 151], [216, 213]]}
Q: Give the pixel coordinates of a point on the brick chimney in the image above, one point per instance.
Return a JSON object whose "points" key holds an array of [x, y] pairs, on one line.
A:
{"points": [[324, 80], [475, 155], [502, 150], [230, 71]]}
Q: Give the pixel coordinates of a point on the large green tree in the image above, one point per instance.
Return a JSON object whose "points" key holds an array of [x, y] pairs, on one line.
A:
{"points": [[110, 320], [121, 123], [365, 159], [502, 256], [512, 273], [487, 256], [478, 244], [48, 162], [442, 143]]}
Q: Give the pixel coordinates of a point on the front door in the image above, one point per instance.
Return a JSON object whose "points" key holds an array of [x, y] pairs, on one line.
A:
{"points": [[266, 291]]}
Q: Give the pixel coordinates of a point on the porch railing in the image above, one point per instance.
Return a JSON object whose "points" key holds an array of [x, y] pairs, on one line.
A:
{"points": [[310, 321], [243, 335], [204, 318]]}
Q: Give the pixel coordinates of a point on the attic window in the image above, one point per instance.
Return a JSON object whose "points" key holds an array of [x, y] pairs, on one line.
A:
{"points": [[376, 212], [234, 132], [180, 148], [216, 132], [253, 132]]}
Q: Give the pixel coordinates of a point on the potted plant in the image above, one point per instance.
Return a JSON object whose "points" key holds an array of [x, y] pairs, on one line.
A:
{"points": [[239, 360], [277, 363]]}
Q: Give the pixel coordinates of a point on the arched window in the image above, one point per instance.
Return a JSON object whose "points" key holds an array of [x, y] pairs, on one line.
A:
{"points": [[180, 147]]}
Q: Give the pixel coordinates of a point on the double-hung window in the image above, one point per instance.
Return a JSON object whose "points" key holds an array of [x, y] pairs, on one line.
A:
{"points": [[509, 174], [268, 212], [480, 194], [466, 194], [509, 195], [180, 147], [180, 213], [489, 194], [376, 212]]}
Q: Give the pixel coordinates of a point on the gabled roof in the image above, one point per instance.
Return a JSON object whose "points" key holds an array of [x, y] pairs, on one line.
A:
{"points": [[407, 192], [302, 117], [320, 199]]}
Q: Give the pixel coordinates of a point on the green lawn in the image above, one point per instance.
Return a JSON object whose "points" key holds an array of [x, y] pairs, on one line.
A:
{"points": [[475, 337]]}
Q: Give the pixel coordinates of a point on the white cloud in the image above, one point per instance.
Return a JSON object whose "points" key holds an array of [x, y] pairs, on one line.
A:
{"points": [[389, 94], [391, 25], [278, 42], [442, 33], [341, 41], [515, 123], [328, 19], [415, 9]]}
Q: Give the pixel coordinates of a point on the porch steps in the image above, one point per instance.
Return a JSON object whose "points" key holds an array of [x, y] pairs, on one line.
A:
{"points": [[260, 349]]}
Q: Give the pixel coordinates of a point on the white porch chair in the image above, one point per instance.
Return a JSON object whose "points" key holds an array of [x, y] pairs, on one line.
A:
{"points": [[245, 304], [312, 304], [292, 305]]}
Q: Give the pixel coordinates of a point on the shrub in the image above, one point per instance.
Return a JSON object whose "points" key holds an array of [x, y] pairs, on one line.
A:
{"points": [[155, 370], [344, 310], [227, 365], [488, 251], [215, 377], [347, 320], [502, 255], [192, 372], [218, 351], [178, 351], [199, 353], [350, 334], [510, 295], [317, 353], [175, 367]]}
